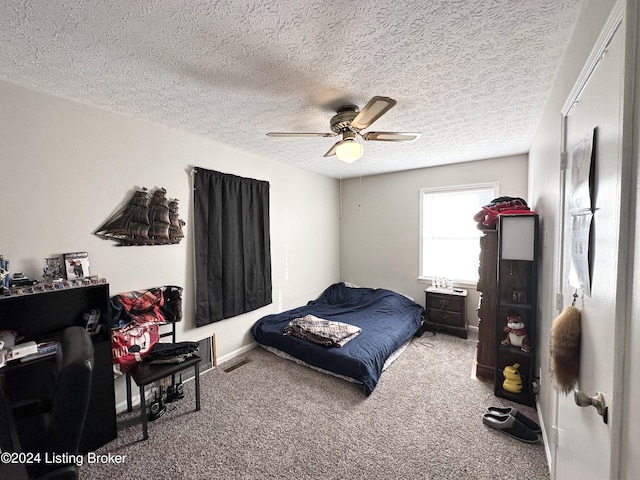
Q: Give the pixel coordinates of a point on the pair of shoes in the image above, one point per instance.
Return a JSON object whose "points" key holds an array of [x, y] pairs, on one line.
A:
{"points": [[530, 424], [511, 425]]}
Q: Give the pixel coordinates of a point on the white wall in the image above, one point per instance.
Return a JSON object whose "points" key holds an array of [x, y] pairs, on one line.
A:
{"points": [[65, 167], [380, 227]]}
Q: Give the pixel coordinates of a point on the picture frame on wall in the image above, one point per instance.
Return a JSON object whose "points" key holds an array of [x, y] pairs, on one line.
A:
{"points": [[76, 265]]}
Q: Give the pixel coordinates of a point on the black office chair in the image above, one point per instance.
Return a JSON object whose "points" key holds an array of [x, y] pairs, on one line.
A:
{"points": [[146, 373], [54, 425]]}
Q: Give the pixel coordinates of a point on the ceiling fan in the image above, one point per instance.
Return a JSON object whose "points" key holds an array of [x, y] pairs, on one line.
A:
{"points": [[348, 121]]}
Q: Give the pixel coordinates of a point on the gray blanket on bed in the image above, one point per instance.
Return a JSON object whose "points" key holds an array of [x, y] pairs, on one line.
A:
{"points": [[321, 331]]}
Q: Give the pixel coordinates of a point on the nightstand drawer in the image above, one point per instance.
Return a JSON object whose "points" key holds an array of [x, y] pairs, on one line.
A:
{"points": [[445, 317], [445, 302]]}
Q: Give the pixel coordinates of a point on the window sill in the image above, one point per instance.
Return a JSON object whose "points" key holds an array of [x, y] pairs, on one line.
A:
{"points": [[456, 283]]}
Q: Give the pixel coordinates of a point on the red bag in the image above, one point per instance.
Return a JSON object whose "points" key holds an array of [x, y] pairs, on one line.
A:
{"points": [[131, 344]]}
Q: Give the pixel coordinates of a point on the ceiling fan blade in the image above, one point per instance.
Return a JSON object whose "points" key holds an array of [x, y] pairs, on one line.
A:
{"points": [[300, 134], [332, 150], [391, 136], [372, 111]]}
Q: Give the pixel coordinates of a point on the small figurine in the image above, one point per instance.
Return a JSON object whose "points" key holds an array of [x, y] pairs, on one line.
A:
{"points": [[512, 380], [516, 333]]}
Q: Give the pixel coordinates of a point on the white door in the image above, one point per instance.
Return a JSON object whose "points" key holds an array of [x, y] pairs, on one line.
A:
{"points": [[586, 445]]}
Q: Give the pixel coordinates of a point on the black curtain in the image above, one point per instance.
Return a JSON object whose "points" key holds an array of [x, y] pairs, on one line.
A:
{"points": [[232, 245]]}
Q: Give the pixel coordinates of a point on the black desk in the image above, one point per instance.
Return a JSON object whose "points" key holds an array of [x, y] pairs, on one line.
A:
{"points": [[9, 440], [43, 315]]}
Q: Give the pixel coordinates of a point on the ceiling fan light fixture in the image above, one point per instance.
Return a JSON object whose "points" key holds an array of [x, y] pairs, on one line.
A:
{"points": [[349, 151], [349, 120]]}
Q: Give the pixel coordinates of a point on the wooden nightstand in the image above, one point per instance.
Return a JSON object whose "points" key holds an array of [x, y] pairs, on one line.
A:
{"points": [[446, 310]]}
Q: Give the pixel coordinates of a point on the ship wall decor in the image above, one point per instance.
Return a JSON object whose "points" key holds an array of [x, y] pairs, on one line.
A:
{"points": [[145, 219]]}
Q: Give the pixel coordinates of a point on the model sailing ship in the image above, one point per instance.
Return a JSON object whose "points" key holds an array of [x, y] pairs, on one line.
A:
{"points": [[144, 221]]}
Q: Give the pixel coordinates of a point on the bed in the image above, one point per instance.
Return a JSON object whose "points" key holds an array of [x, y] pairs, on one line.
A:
{"points": [[387, 322]]}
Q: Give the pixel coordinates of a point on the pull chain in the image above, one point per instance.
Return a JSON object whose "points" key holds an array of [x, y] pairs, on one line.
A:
{"points": [[575, 297]]}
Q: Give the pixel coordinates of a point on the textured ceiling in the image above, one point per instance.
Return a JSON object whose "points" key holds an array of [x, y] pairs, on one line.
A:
{"points": [[472, 75]]}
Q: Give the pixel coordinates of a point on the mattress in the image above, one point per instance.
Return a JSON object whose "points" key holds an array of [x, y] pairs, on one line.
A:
{"points": [[387, 319]]}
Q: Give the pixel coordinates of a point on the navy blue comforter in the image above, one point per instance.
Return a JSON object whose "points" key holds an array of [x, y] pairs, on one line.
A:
{"points": [[387, 320]]}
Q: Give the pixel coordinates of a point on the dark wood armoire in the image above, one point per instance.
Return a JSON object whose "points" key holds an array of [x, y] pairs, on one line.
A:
{"points": [[487, 281]]}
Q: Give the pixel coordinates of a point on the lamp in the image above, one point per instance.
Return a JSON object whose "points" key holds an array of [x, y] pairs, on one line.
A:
{"points": [[517, 237], [348, 149]]}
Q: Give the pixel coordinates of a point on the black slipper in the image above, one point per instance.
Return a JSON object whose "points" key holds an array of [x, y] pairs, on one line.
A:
{"points": [[530, 424], [511, 426]]}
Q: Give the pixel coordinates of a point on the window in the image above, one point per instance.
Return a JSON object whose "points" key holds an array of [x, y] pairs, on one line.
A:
{"points": [[450, 245]]}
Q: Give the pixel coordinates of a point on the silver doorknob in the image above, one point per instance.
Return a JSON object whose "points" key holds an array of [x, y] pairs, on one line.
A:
{"points": [[597, 401]]}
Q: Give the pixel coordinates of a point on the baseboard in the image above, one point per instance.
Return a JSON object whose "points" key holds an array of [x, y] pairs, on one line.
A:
{"points": [[121, 407], [547, 449], [237, 352]]}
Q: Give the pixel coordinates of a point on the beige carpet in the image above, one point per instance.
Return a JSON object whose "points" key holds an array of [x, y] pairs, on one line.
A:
{"points": [[271, 418]]}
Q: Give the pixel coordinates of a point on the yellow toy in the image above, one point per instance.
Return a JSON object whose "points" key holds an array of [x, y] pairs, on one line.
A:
{"points": [[512, 381]]}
